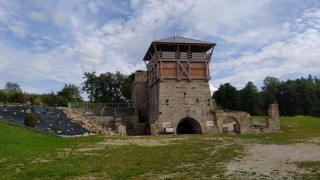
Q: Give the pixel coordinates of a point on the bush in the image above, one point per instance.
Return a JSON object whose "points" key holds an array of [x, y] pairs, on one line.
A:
{"points": [[18, 97], [31, 120]]}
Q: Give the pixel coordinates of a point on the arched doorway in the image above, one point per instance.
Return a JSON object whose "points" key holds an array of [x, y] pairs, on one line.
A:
{"points": [[189, 126], [231, 126]]}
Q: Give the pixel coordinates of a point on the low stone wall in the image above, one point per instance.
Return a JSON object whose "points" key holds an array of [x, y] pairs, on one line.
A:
{"points": [[242, 120], [111, 121], [244, 123]]}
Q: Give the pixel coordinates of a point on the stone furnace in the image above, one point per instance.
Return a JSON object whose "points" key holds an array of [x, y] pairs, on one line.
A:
{"points": [[173, 96]]}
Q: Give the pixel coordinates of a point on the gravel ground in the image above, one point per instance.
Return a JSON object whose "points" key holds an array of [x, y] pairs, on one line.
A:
{"points": [[274, 161]]}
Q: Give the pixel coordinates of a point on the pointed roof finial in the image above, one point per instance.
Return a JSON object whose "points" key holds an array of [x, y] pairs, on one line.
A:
{"points": [[174, 36]]}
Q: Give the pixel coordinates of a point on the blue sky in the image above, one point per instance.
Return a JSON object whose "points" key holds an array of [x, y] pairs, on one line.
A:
{"points": [[47, 43]]}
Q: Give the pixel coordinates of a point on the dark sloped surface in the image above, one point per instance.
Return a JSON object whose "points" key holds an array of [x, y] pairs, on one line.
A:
{"points": [[51, 120]]}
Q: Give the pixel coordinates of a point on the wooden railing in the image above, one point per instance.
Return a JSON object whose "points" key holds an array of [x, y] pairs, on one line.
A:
{"points": [[173, 55]]}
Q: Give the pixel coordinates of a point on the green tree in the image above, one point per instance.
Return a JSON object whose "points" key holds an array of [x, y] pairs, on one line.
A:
{"points": [[70, 92], [250, 100], [18, 97], [270, 91], [12, 87], [226, 96], [5, 96], [108, 87]]}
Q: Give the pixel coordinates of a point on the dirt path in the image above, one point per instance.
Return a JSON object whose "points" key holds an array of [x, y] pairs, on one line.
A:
{"points": [[274, 161]]}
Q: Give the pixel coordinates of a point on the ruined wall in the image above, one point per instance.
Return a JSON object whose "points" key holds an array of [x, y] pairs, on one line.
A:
{"points": [[244, 122], [241, 118], [273, 122], [112, 121], [178, 100]]}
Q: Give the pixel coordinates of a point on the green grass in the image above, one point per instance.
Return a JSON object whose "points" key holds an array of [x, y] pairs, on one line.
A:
{"points": [[27, 154], [259, 119], [294, 130], [313, 167]]}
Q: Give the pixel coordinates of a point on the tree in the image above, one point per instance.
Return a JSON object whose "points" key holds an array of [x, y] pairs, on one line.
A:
{"points": [[108, 87], [5, 96], [226, 96], [270, 91], [70, 92], [12, 87], [250, 100]]}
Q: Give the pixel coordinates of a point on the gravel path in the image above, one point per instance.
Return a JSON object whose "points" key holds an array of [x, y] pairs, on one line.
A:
{"points": [[274, 161]]}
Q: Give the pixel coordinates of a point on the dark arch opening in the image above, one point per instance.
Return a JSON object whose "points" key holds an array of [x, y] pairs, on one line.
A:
{"points": [[189, 126]]}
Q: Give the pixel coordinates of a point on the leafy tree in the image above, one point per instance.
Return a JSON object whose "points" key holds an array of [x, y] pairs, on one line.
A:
{"points": [[250, 100], [18, 97], [294, 97], [270, 91], [70, 92], [5, 96], [108, 87], [226, 96], [12, 87]]}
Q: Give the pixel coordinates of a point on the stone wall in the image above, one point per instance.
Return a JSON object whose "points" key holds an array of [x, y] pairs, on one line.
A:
{"points": [[177, 100], [153, 100], [273, 121], [139, 93], [140, 97], [241, 118], [112, 121], [244, 122]]}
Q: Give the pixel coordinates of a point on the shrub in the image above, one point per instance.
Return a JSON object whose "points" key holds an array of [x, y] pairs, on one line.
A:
{"points": [[31, 120], [18, 97]]}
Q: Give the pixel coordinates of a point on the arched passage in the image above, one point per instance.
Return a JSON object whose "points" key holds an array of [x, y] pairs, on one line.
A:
{"points": [[231, 125], [189, 126]]}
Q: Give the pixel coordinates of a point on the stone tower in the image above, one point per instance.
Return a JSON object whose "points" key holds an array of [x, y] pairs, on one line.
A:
{"points": [[178, 95]]}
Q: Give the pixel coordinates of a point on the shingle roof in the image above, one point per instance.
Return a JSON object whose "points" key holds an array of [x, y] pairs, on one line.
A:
{"points": [[182, 40], [177, 40]]}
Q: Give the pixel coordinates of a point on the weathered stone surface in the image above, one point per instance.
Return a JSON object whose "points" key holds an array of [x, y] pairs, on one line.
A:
{"points": [[273, 122], [171, 102], [242, 119], [113, 122]]}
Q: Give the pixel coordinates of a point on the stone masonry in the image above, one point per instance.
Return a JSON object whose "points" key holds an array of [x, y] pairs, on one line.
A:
{"points": [[168, 104], [174, 102]]}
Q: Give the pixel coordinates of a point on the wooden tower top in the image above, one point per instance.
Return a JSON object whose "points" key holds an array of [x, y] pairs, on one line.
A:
{"points": [[178, 58], [177, 43]]}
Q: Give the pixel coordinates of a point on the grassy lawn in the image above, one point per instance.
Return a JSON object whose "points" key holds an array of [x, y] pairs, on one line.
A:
{"points": [[26, 154]]}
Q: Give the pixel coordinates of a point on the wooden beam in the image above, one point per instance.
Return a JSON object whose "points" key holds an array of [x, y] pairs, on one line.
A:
{"points": [[157, 69], [207, 70], [150, 56], [155, 48], [178, 53], [178, 73], [184, 68], [188, 63], [161, 74]]}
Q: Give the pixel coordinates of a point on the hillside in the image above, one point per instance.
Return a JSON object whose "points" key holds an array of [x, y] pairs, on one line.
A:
{"points": [[26, 154]]}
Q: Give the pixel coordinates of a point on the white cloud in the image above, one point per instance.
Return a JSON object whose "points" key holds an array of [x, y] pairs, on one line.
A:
{"points": [[38, 16], [296, 55], [60, 19], [84, 36], [212, 88]]}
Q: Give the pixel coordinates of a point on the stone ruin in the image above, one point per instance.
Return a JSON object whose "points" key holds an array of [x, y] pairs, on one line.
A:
{"points": [[173, 97]]}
